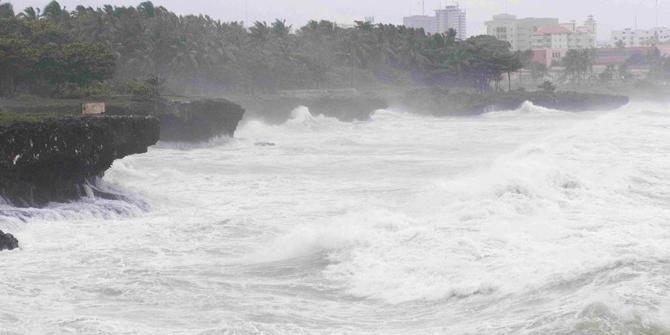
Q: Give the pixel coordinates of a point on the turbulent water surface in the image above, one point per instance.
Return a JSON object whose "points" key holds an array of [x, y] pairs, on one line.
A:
{"points": [[530, 221]]}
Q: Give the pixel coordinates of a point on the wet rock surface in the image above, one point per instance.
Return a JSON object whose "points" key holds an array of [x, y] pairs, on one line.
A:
{"points": [[277, 109], [53, 160], [442, 102], [188, 121], [8, 241], [565, 101]]}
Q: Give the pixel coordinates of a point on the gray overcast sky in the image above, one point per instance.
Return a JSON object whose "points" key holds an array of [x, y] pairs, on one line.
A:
{"points": [[611, 14]]}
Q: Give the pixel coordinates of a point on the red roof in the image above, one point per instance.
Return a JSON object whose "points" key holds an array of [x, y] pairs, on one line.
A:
{"points": [[546, 30]]}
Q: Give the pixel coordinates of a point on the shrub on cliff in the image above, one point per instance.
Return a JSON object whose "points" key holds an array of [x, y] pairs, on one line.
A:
{"points": [[151, 89]]}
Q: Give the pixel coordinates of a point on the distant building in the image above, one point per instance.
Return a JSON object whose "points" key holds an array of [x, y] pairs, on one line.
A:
{"points": [[367, 19], [451, 17], [621, 56], [518, 32], [563, 37], [633, 56], [640, 37], [425, 22]]}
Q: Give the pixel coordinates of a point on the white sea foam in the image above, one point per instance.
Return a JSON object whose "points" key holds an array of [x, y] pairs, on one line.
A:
{"points": [[529, 221]]}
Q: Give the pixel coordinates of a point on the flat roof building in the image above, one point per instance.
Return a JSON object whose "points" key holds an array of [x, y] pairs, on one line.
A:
{"points": [[451, 17], [640, 37], [518, 32], [542, 33], [425, 22]]}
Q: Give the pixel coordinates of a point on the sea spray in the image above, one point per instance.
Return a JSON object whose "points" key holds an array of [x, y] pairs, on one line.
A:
{"points": [[529, 221]]}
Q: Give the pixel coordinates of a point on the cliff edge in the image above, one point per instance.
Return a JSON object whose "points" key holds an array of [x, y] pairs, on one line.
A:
{"points": [[52, 160]]}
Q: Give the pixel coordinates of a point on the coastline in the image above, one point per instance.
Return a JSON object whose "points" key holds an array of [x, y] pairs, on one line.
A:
{"points": [[48, 153], [51, 160]]}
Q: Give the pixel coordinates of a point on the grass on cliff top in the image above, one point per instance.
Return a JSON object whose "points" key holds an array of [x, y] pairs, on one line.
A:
{"points": [[7, 118], [31, 108]]}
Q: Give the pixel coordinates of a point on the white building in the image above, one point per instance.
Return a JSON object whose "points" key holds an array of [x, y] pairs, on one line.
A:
{"points": [[543, 33], [452, 17], [518, 32], [562, 37], [425, 22], [640, 37]]}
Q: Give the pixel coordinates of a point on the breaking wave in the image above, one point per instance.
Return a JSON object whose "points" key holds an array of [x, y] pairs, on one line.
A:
{"points": [[528, 221]]}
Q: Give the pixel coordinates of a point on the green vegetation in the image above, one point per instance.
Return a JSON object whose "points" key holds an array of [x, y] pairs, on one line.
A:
{"points": [[579, 67], [547, 87], [660, 66], [578, 64], [9, 118], [39, 56], [197, 55]]}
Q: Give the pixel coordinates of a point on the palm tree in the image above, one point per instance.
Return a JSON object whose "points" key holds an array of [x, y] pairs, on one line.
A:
{"points": [[30, 13], [6, 10], [147, 9]]}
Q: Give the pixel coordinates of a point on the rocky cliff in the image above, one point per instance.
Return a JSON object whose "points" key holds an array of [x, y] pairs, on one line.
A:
{"points": [[52, 160], [187, 121]]}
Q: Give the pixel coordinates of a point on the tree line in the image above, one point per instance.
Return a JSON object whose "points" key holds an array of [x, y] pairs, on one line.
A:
{"points": [[39, 57], [53, 48], [579, 66]]}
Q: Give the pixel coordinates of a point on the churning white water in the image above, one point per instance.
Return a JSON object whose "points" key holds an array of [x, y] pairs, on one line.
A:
{"points": [[531, 221]]}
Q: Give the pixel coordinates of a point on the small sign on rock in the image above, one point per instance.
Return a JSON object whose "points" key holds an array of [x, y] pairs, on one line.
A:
{"points": [[93, 108]]}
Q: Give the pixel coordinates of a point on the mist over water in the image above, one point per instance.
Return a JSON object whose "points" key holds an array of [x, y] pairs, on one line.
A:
{"points": [[531, 221]]}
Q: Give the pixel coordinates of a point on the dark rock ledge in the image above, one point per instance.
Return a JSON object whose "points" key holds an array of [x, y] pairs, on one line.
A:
{"points": [[53, 160], [187, 121], [276, 109], [8, 241]]}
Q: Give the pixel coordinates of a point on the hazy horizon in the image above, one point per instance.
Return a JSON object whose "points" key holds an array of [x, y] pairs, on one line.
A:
{"points": [[610, 14]]}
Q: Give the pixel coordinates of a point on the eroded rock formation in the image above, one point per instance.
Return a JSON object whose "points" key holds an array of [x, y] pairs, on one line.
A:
{"points": [[52, 160], [187, 121], [8, 241]]}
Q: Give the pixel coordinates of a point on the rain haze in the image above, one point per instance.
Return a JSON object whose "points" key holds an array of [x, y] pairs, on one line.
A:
{"points": [[362, 167], [610, 14]]}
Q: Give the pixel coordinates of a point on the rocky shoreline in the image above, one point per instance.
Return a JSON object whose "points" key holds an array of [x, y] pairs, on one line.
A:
{"points": [[181, 119], [276, 109], [441, 102], [8, 241], [52, 160], [58, 158], [187, 121]]}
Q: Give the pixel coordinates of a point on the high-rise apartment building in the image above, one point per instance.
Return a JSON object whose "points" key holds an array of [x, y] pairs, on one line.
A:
{"points": [[451, 17]]}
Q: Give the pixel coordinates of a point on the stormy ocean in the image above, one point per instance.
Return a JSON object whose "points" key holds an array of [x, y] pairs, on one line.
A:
{"points": [[531, 221]]}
